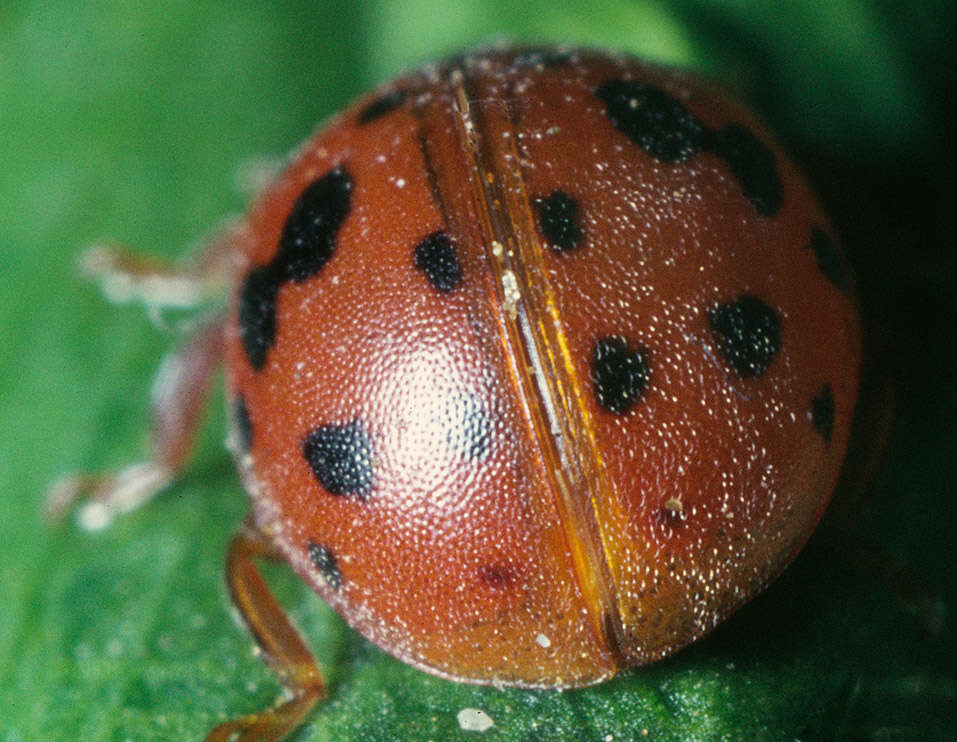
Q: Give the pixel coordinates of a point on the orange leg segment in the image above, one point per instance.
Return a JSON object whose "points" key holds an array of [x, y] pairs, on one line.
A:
{"points": [[282, 647]]}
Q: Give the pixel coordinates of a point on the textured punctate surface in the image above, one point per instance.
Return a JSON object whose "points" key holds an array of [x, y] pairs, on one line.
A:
{"points": [[567, 376]]}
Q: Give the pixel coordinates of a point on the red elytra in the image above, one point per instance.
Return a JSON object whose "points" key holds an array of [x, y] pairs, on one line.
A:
{"points": [[540, 364]]}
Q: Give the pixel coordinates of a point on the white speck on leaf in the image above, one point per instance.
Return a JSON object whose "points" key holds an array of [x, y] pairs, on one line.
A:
{"points": [[474, 720]]}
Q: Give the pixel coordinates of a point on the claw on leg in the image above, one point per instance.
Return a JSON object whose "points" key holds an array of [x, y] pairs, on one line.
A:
{"points": [[280, 642], [267, 727]]}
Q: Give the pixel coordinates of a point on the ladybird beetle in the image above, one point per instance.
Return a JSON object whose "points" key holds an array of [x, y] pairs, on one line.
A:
{"points": [[539, 364]]}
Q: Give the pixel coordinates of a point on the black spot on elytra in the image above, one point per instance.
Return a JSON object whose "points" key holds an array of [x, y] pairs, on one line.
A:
{"points": [[381, 106], [497, 576], [468, 428], [754, 166], [558, 220], [307, 242], [822, 412], [748, 334], [257, 314], [435, 256], [661, 125], [341, 458], [652, 119], [829, 259], [244, 424], [325, 561], [309, 235], [620, 374]]}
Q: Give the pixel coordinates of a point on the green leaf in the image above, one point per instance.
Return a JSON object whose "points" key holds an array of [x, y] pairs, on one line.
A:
{"points": [[131, 122]]}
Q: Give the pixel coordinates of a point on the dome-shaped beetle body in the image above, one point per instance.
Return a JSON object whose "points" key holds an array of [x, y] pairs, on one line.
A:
{"points": [[541, 363]]}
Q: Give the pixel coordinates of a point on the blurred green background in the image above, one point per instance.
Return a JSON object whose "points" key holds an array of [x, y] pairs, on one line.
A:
{"points": [[131, 120]]}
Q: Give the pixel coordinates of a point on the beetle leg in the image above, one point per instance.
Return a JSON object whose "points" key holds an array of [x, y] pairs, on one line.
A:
{"points": [[179, 392], [125, 276], [280, 642]]}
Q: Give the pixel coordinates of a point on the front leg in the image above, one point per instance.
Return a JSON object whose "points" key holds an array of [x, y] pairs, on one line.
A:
{"points": [[126, 276], [282, 647]]}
